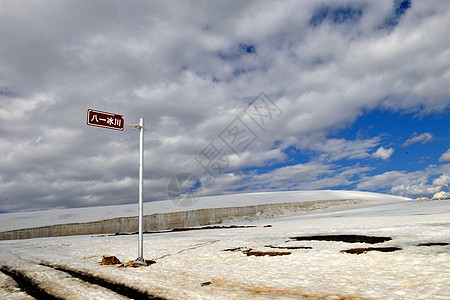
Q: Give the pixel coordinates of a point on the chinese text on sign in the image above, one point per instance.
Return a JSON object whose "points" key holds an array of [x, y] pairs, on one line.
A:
{"points": [[104, 119]]}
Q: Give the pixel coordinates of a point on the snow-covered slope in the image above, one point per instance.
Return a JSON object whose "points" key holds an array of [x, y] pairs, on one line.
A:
{"points": [[12, 221], [213, 264]]}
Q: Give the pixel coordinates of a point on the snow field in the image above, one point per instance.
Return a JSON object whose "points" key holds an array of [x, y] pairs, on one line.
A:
{"points": [[187, 259]]}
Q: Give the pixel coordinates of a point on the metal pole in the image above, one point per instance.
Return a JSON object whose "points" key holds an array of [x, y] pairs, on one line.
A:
{"points": [[141, 191]]}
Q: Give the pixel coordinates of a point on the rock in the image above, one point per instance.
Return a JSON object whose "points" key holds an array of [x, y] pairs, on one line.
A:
{"points": [[110, 260]]}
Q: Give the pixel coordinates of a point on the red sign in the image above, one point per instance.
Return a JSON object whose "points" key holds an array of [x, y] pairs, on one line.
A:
{"points": [[104, 119]]}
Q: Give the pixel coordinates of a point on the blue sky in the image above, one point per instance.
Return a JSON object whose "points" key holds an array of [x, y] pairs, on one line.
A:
{"points": [[410, 143], [417, 141], [247, 96]]}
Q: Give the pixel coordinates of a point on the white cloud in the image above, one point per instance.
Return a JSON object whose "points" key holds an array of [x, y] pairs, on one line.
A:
{"points": [[180, 65], [312, 175], [445, 156], [383, 153], [443, 180], [409, 183], [419, 138], [413, 189], [441, 195], [336, 149]]}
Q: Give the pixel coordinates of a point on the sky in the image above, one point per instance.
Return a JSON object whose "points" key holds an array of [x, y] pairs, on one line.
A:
{"points": [[238, 96]]}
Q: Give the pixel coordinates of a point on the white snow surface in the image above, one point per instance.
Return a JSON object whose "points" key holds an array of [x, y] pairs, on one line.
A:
{"points": [[12, 221], [186, 259]]}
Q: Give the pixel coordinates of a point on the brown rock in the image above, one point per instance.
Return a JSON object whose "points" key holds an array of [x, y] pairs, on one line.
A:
{"points": [[110, 260]]}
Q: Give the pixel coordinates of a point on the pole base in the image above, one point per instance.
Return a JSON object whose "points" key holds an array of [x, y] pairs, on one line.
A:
{"points": [[140, 262]]}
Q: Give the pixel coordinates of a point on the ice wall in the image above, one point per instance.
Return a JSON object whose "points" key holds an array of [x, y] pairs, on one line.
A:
{"points": [[182, 219]]}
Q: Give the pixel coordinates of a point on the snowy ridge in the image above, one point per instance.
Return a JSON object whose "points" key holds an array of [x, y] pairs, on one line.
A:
{"points": [[20, 220]]}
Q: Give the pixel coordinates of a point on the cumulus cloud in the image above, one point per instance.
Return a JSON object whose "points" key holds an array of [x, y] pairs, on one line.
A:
{"points": [[383, 153], [443, 181], [190, 68], [445, 156], [409, 183], [441, 195]]}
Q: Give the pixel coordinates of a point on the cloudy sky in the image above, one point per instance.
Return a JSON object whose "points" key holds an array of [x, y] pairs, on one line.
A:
{"points": [[246, 96]]}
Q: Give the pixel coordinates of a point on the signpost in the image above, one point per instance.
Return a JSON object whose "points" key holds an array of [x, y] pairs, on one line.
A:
{"points": [[105, 120], [117, 122], [141, 127]]}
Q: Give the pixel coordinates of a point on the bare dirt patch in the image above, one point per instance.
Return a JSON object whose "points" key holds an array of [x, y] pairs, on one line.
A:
{"points": [[235, 249], [433, 244], [288, 247], [365, 250], [250, 252], [285, 292], [344, 238]]}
